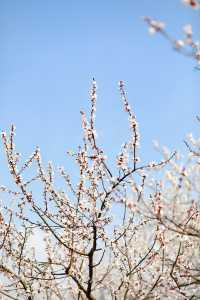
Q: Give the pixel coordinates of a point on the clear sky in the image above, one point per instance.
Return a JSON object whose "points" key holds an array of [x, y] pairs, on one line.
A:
{"points": [[50, 50]]}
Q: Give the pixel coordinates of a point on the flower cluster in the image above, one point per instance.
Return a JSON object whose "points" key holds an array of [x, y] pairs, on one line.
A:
{"points": [[106, 235], [187, 45]]}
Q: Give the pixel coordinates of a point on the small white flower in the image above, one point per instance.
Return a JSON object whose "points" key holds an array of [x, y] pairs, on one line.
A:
{"points": [[190, 138], [197, 56], [179, 44], [188, 29], [158, 25], [152, 164], [156, 144], [113, 180], [152, 30]]}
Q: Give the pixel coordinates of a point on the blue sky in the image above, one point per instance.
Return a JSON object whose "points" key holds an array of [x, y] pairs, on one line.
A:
{"points": [[49, 52]]}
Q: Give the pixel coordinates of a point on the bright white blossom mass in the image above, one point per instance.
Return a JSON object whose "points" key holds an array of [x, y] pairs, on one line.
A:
{"points": [[114, 234]]}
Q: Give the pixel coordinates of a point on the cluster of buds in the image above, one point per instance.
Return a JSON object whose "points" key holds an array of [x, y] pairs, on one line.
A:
{"points": [[192, 3], [134, 143], [123, 158], [154, 25], [88, 127]]}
